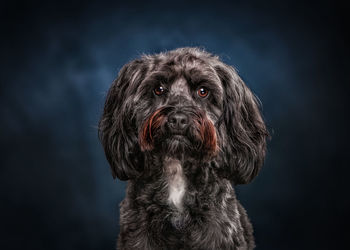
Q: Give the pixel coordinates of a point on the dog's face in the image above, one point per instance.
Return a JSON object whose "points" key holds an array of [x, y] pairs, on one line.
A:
{"points": [[177, 109], [185, 103]]}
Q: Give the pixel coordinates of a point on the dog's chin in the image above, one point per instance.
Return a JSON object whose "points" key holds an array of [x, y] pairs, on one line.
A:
{"points": [[179, 138], [176, 145]]}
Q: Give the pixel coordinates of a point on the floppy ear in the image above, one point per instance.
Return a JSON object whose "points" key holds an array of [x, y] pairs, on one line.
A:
{"points": [[117, 130], [245, 146]]}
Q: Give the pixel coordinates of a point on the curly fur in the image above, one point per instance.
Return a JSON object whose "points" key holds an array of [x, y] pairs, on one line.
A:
{"points": [[179, 192]]}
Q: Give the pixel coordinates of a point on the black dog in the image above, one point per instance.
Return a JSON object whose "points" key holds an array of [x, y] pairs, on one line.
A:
{"points": [[181, 126]]}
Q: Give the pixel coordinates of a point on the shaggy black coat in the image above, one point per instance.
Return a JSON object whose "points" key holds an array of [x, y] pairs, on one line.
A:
{"points": [[179, 170]]}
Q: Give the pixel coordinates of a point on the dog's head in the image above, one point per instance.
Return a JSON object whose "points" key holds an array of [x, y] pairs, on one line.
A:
{"points": [[185, 103]]}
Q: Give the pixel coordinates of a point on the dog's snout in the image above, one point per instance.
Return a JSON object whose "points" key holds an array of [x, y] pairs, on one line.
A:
{"points": [[178, 121]]}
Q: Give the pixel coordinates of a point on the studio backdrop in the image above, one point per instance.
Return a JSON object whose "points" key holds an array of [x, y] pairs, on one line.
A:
{"points": [[58, 60]]}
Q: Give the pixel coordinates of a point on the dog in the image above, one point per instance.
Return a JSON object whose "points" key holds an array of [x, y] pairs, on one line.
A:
{"points": [[183, 129]]}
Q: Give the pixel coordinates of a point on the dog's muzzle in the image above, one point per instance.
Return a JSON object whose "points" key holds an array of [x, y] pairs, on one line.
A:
{"points": [[188, 128]]}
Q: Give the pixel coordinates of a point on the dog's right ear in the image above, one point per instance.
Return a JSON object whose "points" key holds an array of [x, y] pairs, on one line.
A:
{"points": [[117, 130]]}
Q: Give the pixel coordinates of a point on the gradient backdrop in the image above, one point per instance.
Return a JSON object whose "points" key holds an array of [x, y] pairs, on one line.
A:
{"points": [[59, 59]]}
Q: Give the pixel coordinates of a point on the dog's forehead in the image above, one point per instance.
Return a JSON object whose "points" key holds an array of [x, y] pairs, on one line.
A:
{"points": [[180, 87]]}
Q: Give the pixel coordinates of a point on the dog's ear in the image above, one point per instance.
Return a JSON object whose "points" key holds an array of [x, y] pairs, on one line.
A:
{"points": [[245, 142], [117, 129]]}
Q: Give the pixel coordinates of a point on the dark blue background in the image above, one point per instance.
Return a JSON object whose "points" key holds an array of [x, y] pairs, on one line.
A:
{"points": [[58, 60]]}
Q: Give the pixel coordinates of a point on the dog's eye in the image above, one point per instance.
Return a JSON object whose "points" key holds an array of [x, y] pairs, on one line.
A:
{"points": [[202, 92], [159, 90]]}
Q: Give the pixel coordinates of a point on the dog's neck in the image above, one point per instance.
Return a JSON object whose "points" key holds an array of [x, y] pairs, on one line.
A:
{"points": [[176, 182]]}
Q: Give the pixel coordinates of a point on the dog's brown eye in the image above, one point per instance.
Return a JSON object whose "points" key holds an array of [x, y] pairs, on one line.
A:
{"points": [[159, 90], [202, 92]]}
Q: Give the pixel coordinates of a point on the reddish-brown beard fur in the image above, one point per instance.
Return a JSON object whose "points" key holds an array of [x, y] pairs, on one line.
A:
{"points": [[205, 128], [150, 127], [207, 134]]}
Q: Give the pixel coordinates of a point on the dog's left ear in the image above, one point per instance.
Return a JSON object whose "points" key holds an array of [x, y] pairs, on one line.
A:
{"points": [[246, 133]]}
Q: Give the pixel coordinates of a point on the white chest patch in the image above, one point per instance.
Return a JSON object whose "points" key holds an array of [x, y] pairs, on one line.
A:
{"points": [[176, 182]]}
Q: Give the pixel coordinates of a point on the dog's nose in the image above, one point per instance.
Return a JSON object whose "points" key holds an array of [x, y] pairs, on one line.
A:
{"points": [[178, 121]]}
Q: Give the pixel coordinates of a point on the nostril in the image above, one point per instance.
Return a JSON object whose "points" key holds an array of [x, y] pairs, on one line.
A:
{"points": [[183, 121], [172, 120]]}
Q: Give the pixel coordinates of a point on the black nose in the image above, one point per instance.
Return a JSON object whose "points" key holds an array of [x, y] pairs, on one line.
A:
{"points": [[178, 121]]}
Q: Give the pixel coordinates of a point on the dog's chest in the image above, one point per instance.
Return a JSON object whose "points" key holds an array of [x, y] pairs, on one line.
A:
{"points": [[176, 183]]}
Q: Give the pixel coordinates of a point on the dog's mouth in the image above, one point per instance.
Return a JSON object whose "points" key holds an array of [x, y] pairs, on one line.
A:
{"points": [[177, 137], [177, 133]]}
